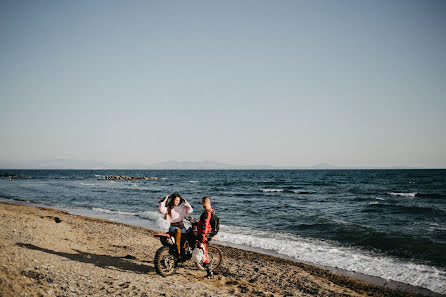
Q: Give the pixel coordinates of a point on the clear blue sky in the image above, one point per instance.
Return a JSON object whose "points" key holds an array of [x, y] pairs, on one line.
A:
{"points": [[281, 83]]}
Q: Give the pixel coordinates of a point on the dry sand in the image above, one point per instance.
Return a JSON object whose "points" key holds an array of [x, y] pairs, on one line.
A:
{"points": [[48, 252]]}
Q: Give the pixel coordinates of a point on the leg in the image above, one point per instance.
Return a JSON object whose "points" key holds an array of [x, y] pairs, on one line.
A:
{"points": [[205, 258], [183, 237], [206, 263], [178, 240], [176, 233]]}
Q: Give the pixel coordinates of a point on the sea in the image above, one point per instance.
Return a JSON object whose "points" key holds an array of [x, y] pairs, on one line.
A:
{"points": [[385, 223]]}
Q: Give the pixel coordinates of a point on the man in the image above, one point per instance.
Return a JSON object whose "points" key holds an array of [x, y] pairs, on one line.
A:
{"points": [[204, 227]]}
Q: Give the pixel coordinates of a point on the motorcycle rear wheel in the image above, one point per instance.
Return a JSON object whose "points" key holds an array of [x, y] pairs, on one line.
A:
{"points": [[165, 262], [215, 256]]}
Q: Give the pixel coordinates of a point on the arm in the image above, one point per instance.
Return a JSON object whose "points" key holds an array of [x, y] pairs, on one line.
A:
{"points": [[189, 208], [205, 221], [163, 208]]}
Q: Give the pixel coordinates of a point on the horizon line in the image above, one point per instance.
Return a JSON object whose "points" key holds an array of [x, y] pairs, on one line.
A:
{"points": [[278, 168]]}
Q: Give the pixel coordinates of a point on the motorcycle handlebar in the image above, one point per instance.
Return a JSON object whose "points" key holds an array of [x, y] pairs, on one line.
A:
{"points": [[191, 219]]}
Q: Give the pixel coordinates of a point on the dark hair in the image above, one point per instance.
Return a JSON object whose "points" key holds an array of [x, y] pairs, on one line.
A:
{"points": [[170, 203], [206, 198]]}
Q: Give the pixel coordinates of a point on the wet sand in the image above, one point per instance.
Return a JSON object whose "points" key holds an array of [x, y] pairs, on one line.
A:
{"points": [[49, 252]]}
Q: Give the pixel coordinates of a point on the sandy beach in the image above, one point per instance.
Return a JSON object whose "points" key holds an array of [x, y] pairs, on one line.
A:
{"points": [[49, 252]]}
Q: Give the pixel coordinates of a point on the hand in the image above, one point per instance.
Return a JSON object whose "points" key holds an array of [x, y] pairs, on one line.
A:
{"points": [[164, 199]]}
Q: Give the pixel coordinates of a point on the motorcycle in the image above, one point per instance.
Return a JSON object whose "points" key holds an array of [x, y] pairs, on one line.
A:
{"points": [[167, 258]]}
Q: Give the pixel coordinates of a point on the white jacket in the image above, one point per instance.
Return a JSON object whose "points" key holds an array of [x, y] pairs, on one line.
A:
{"points": [[177, 213]]}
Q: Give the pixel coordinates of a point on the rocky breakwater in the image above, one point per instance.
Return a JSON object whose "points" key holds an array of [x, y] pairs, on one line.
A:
{"points": [[11, 175], [124, 177]]}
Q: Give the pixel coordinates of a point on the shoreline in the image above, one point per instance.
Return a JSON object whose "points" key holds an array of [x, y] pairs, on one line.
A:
{"points": [[272, 270], [374, 280]]}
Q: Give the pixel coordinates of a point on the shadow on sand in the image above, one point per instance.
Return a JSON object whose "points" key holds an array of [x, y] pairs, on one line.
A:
{"points": [[103, 261]]}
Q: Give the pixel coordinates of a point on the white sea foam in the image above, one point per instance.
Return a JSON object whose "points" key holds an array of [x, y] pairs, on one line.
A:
{"points": [[271, 190], [301, 192], [98, 209], [374, 203], [156, 219], [131, 218], [380, 198], [402, 194], [114, 185], [436, 227], [329, 254], [88, 184], [193, 181]]}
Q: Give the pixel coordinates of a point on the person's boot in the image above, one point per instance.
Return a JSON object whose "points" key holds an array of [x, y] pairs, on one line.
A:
{"points": [[178, 240], [183, 244], [208, 268]]}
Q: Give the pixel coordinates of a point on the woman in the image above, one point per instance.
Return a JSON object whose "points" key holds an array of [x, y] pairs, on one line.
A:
{"points": [[174, 213]]}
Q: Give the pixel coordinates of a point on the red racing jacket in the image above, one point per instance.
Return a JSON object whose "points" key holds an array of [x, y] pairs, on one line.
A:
{"points": [[204, 225]]}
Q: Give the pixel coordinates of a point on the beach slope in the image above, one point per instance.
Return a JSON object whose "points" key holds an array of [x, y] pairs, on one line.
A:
{"points": [[48, 252]]}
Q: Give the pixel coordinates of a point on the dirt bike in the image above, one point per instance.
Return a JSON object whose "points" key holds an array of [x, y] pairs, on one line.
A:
{"points": [[167, 258]]}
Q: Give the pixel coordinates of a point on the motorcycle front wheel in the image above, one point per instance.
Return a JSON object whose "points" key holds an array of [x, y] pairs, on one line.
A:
{"points": [[215, 256], [164, 262]]}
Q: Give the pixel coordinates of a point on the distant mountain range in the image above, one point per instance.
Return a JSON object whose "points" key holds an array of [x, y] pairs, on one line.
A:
{"points": [[91, 164], [55, 164], [203, 165], [324, 166]]}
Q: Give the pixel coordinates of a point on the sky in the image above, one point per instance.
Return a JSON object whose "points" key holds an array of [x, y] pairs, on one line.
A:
{"points": [[247, 83]]}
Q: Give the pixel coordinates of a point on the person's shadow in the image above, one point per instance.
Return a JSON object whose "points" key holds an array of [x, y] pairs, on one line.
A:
{"points": [[103, 261]]}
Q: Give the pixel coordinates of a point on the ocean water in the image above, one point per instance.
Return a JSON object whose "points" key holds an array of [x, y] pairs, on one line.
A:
{"points": [[385, 223]]}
